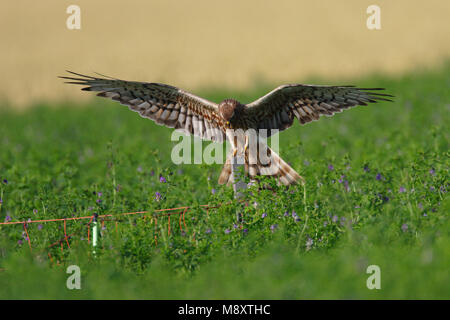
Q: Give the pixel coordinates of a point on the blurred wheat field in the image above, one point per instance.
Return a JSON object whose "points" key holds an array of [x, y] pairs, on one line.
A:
{"points": [[207, 43]]}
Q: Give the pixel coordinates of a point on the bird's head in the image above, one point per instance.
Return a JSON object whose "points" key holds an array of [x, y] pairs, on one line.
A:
{"points": [[227, 109]]}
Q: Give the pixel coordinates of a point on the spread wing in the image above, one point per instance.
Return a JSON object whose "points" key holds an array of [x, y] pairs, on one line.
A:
{"points": [[166, 105], [278, 108]]}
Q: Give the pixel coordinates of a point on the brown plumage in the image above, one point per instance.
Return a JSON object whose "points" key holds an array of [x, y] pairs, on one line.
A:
{"points": [[190, 114]]}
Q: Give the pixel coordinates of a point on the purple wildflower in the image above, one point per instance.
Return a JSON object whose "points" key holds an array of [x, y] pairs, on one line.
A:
{"points": [[404, 227], [162, 179], [152, 173], [335, 218], [227, 231], [432, 172], [366, 168], [35, 211], [99, 201], [213, 191], [286, 214], [420, 205], [325, 223], [330, 167], [5, 181], [40, 226], [264, 215], [402, 189], [273, 227], [294, 214], [99, 194], [1, 200], [139, 169], [245, 230], [208, 231], [157, 196], [235, 226], [378, 176], [347, 188], [341, 179], [432, 188], [425, 215], [19, 242], [251, 184], [7, 218]]}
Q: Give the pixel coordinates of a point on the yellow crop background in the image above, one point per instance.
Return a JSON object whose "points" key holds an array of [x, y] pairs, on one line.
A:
{"points": [[207, 43]]}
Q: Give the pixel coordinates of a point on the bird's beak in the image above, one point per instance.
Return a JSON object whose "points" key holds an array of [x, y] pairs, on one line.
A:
{"points": [[228, 122]]}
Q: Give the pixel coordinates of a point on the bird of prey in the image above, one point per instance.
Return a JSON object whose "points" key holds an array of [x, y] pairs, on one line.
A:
{"points": [[186, 112]]}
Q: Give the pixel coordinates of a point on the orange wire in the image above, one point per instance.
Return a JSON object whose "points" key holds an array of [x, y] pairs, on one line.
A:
{"points": [[28, 237], [65, 234], [66, 237], [168, 222]]}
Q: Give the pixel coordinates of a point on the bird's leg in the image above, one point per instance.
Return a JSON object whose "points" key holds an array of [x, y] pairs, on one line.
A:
{"points": [[231, 139], [234, 147], [246, 144]]}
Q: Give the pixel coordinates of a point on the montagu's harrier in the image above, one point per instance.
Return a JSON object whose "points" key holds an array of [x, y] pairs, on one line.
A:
{"points": [[178, 109]]}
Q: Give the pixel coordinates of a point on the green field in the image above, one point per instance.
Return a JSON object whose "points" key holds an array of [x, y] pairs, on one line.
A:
{"points": [[376, 194]]}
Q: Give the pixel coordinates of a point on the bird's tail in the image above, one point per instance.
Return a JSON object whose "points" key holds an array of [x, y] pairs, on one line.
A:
{"points": [[272, 166]]}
